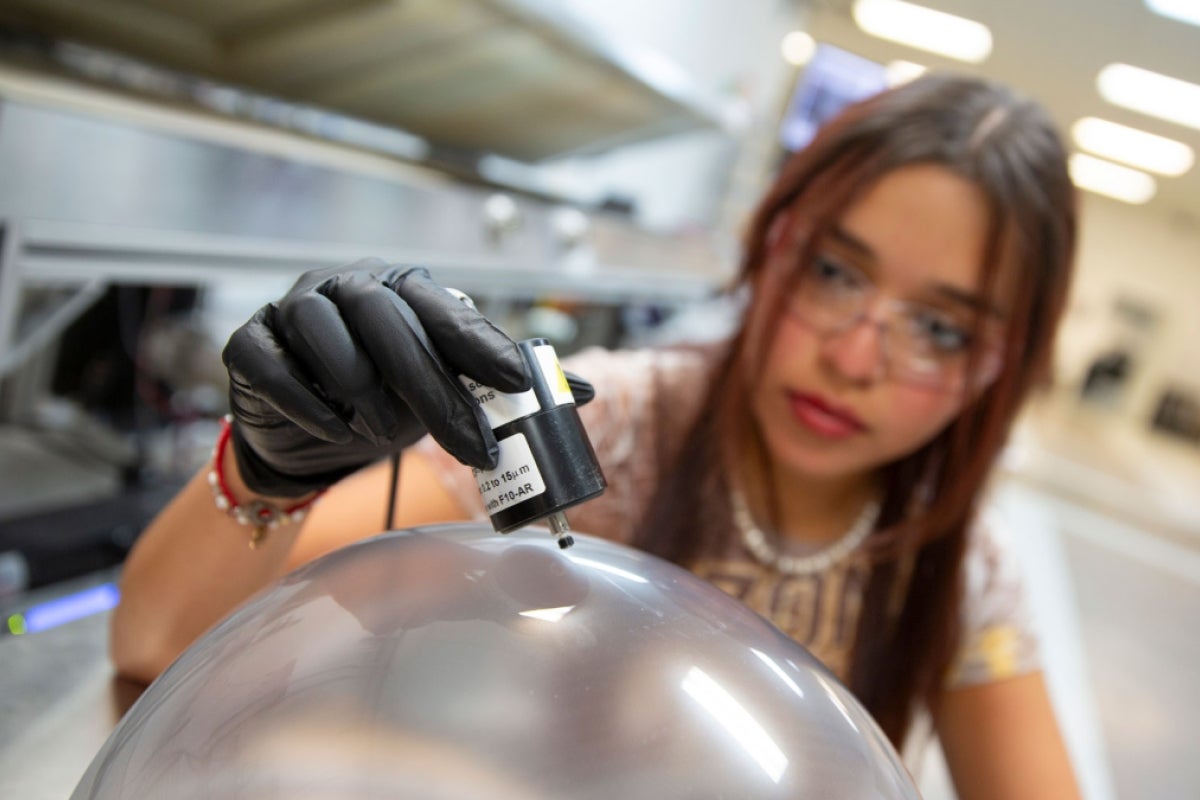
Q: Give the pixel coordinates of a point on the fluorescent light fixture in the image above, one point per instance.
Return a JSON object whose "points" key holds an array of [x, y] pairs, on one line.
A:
{"points": [[1179, 10], [1111, 180], [798, 48], [832, 694], [898, 72], [1151, 93], [778, 670], [548, 614], [609, 568], [739, 723], [925, 29], [1133, 147]]}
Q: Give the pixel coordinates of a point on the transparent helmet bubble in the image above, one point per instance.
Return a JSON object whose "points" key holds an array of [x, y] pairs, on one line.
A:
{"points": [[450, 662]]}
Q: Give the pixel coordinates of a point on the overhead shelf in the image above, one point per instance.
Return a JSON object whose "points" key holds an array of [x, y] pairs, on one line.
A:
{"points": [[512, 77]]}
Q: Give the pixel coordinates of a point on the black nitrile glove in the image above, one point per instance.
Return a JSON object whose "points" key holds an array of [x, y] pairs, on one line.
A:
{"points": [[581, 390], [355, 363]]}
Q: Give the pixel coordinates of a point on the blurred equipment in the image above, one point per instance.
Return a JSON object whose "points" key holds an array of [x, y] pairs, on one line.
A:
{"points": [[61, 610], [1134, 329], [152, 185], [469, 75], [1106, 377], [450, 662], [1178, 414], [83, 396]]}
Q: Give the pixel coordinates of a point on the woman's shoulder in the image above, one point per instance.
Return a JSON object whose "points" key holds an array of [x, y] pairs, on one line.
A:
{"points": [[999, 638], [991, 560], [644, 403], [675, 363], [643, 387]]}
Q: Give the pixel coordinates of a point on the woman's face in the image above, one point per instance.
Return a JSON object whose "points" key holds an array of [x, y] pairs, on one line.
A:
{"points": [[861, 368]]}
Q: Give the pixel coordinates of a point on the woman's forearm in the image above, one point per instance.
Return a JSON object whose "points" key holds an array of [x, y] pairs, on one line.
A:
{"points": [[190, 567]]}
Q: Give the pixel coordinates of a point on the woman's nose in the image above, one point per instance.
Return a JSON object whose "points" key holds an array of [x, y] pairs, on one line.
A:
{"points": [[857, 353]]}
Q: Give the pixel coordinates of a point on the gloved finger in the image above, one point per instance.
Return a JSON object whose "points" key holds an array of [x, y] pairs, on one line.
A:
{"points": [[313, 279], [262, 369], [411, 366], [468, 341], [457, 423], [315, 333], [581, 389]]}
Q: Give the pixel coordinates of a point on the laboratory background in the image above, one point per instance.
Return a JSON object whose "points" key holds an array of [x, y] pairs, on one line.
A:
{"points": [[584, 170]]}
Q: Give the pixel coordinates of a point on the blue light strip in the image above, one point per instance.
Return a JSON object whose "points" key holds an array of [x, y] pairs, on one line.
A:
{"points": [[75, 606]]}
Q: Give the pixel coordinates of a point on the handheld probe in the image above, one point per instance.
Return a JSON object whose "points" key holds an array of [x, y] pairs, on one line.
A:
{"points": [[546, 462]]}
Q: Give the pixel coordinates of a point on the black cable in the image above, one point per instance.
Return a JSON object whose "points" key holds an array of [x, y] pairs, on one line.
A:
{"points": [[389, 521]]}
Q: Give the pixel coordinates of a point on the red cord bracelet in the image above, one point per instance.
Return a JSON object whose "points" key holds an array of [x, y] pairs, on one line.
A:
{"points": [[257, 514]]}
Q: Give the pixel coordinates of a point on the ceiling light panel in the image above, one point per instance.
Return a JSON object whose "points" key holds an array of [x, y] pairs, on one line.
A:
{"points": [[1151, 93], [798, 48], [898, 72], [1179, 10], [925, 29], [1132, 146], [1111, 180]]}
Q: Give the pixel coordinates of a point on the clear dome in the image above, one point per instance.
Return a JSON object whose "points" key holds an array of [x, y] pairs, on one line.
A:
{"points": [[450, 662]]}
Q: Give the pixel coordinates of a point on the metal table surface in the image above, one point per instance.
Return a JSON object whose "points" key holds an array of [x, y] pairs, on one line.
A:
{"points": [[59, 700]]}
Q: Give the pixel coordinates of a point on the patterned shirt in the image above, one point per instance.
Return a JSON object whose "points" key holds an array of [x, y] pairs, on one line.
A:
{"points": [[819, 611]]}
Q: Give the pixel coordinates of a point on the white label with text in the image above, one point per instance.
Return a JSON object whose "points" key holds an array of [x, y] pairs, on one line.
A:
{"points": [[498, 407], [514, 480]]}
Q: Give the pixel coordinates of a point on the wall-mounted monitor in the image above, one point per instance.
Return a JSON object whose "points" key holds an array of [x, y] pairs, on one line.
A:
{"points": [[832, 80]]}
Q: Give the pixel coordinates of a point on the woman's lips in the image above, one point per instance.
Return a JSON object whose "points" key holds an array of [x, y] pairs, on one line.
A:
{"points": [[822, 417]]}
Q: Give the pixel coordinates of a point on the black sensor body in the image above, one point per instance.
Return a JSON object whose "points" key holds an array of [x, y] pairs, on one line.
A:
{"points": [[547, 463]]}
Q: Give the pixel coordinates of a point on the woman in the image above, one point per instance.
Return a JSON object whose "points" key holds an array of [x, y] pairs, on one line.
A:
{"points": [[903, 278]]}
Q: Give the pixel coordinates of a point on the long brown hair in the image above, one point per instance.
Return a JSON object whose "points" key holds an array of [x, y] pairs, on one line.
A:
{"points": [[1007, 146]]}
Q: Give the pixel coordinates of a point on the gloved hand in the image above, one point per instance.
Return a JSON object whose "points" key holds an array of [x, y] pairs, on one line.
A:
{"points": [[355, 363]]}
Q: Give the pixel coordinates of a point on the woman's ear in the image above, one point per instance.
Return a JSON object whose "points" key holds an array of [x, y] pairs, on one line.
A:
{"points": [[775, 233]]}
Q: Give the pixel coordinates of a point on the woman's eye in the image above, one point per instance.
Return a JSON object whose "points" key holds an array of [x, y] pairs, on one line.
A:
{"points": [[941, 334], [833, 275]]}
